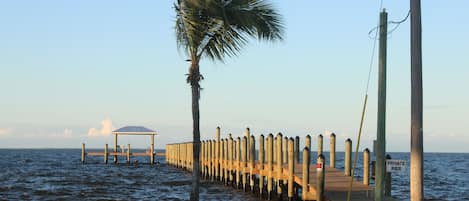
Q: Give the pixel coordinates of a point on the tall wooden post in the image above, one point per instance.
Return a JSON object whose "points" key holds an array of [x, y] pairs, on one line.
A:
{"points": [[366, 167], [270, 158], [332, 151], [128, 153], [297, 149], [244, 163], [320, 177], [105, 153], [416, 139], [381, 134], [217, 153], [305, 175], [82, 152], [247, 133], [239, 162], [252, 161], [152, 150], [308, 141], [230, 157], [291, 169], [261, 165], [320, 142], [279, 164], [115, 147], [348, 157], [285, 149]]}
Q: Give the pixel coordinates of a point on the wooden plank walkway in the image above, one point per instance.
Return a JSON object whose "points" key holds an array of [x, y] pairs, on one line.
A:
{"points": [[275, 169]]}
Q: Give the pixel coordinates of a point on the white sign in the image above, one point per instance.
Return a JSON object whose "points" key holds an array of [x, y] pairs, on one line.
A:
{"points": [[395, 165]]}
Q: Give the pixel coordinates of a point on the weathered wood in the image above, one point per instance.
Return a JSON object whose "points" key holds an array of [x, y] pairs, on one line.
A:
{"points": [[252, 161], [332, 151], [320, 143], [244, 162], [82, 152], [217, 153], [348, 157], [291, 168], [105, 153], [305, 176], [128, 153], [279, 163], [239, 165], [270, 158], [261, 164], [297, 149], [320, 178], [247, 134]]}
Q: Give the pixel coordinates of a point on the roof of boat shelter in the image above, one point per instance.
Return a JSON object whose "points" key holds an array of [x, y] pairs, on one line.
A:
{"points": [[134, 130]]}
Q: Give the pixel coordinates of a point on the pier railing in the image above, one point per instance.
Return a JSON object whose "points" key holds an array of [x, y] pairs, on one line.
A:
{"points": [[276, 168]]}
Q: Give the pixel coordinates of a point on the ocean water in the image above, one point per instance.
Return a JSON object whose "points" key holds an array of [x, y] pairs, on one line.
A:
{"points": [[57, 174]]}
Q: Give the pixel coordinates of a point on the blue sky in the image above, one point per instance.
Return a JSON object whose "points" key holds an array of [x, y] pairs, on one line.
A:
{"points": [[73, 70]]}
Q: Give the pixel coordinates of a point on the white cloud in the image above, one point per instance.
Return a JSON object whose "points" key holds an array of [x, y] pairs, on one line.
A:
{"points": [[105, 130]]}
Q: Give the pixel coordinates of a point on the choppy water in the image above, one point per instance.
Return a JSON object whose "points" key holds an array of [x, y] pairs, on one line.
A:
{"points": [[57, 174]]}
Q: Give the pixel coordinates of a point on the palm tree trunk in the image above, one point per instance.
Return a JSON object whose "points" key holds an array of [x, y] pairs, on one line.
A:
{"points": [[194, 79]]}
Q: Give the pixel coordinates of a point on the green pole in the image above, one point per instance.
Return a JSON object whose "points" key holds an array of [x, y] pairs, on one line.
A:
{"points": [[381, 131]]}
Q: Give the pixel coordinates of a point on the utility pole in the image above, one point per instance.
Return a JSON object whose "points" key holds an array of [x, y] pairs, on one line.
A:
{"points": [[416, 139], [381, 128]]}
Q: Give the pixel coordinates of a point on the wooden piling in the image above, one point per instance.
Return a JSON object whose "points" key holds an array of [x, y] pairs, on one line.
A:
{"points": [[320, 143], [270, 158], [279, 164], [105, 153], [291, 169], [152, 150], [297, 149], [128, 153], [115, 148], [209, 159], [213, 160], [83, 153], [223, 159], [366, 167], [308, 141], [285, 148], [332, 151], [230, 158], [238, 162], [252, 161], [261, 164], [244, 163], [247, 134], [305, 175], [225, 166], [217, 153], [320, 178], [348, 157]]}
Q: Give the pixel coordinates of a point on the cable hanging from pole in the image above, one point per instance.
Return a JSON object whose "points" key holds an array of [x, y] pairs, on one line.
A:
{"points": [[349, 193]]}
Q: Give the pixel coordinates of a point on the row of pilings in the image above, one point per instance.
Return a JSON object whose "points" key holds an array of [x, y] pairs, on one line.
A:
{"points": [[276, 169]]}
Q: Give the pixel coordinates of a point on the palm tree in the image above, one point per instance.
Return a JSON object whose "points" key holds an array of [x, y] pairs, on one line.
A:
{"points": [[217, 29]]}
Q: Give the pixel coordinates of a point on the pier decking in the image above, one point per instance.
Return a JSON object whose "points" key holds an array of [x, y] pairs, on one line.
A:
{"points": [[276, 169]]}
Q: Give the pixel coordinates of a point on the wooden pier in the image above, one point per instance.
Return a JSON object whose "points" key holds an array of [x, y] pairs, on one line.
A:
{"points": [[276, 169], [127, 130]]}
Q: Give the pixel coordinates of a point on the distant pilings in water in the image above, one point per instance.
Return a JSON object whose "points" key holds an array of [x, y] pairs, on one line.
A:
{"points": [[275, 170], [126, 153]]}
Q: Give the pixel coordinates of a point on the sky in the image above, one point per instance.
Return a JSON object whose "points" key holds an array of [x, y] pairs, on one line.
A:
{"points": [[73, 71]]}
